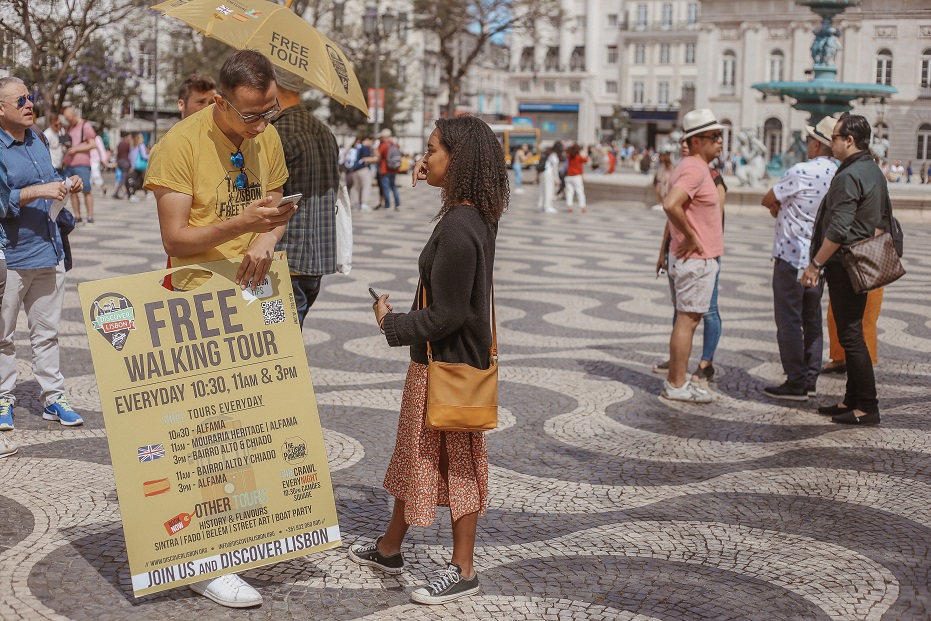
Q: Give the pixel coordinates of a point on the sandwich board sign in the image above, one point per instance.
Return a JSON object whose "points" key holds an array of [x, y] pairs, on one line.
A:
{"points": [[214, 435]]}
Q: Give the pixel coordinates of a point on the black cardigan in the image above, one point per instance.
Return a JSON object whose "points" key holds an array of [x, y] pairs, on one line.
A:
{"points": [[456, 267]]}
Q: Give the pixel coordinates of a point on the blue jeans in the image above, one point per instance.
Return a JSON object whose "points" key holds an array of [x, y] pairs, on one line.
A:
{"points": [[797, 311], [386, 182], [711, 334], [306, 289], [518, 175]]}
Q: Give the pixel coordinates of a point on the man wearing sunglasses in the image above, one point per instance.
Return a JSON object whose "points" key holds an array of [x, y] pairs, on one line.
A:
{"points": [[693, 208], [34, 256], [218, 176]]}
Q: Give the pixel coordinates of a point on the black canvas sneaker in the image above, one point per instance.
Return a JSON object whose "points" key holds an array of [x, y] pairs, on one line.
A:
{"points": [[447, 585], [368, 554], [787, 391]]}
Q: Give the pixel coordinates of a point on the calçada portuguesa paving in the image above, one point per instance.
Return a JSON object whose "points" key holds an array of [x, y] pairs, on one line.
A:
{"points": [[606, 502]]}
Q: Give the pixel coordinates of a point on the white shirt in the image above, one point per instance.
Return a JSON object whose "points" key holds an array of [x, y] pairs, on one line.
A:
{"points": [[800, 191], [54, 147], [552, 163]]}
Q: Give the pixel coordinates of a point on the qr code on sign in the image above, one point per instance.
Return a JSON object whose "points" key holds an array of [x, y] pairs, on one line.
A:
{"points": [[273, 310]]}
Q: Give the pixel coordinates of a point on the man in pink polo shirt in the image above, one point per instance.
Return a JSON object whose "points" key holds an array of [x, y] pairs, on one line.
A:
{"points": [[697, 232], [77, 160]]}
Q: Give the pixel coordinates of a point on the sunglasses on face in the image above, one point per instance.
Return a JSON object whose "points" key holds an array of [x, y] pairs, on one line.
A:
{"points": [[24, 98], [714, 137], [250, 119], [238, 161]]}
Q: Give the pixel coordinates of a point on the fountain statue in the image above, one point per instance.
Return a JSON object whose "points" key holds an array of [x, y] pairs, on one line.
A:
{"points": [[823, 95], [753, 155]]}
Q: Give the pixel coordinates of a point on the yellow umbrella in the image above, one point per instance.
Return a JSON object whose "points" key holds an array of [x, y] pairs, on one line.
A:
{"points": [[278, 33]]}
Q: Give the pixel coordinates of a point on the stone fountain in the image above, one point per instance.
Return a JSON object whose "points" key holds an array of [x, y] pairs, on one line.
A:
{"points": [[823, 95]]}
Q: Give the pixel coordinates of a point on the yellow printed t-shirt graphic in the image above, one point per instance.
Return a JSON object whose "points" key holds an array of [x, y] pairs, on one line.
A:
{"points": [[194, 158]]}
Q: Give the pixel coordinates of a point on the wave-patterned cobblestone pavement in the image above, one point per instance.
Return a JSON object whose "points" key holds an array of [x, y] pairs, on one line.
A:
{"points": [[607, 503]]}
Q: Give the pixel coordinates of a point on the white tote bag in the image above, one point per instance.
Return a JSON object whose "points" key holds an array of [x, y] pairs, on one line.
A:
{"points": [[343, 231]]}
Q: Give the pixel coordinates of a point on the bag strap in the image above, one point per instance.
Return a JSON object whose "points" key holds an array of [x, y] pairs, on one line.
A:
{"points": [[494, 320]]}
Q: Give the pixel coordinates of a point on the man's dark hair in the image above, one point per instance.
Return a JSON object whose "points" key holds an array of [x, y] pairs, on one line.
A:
{"points": [[196, 83], [477, 173], [857, 127], [246, 68]]}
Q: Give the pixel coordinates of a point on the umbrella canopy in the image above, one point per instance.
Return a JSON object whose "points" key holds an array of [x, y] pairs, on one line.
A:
{"points": [[278, 33]]}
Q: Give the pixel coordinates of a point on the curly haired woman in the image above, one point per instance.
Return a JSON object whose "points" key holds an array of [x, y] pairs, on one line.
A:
{"points": [[437, 468]]}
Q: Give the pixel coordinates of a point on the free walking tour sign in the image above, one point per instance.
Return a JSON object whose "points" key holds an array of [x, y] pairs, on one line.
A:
{"points": [[212, 423]]}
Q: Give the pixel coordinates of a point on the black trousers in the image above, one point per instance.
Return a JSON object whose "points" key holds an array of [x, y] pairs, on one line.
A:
{"points": [[798, 325], [848, 310]]}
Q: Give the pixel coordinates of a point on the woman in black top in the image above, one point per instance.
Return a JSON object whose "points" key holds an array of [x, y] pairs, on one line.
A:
{"points": [[434, 468]]}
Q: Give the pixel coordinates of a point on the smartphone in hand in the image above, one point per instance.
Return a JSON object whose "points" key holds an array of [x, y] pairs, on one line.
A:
{"points": [[374, 295], [293, 198]]}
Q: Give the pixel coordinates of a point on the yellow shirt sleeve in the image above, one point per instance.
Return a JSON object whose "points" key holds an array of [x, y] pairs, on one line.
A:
{"points": [[171, 164]]}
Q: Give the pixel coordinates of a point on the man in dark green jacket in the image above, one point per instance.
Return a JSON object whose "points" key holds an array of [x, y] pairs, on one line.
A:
{"points": [[856, 207]]}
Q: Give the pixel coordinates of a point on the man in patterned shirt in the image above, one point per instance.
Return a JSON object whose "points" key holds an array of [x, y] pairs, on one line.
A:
{"points": [[312, 154], [794, 203]]}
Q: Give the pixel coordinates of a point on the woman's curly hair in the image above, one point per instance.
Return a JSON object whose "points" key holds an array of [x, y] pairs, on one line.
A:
{"points": [[476, 173]]}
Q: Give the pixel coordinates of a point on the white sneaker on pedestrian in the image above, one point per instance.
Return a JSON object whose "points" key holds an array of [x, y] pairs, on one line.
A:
{"points": [[518, 190], [365, 207], [687, 392], [7, 446], [550, 210], [229, 590]]}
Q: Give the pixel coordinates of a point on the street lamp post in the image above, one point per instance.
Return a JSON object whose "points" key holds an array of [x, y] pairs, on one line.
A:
{"points": [[371, 28]]}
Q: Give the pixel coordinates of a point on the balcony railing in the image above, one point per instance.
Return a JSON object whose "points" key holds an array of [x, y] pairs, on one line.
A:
{"points": [[655, 26], [726, 90], [924, 92]]}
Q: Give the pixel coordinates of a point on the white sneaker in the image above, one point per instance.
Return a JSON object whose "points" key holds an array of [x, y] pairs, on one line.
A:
{"points": [[550, 210], [229, 590], [687, 392], [365, 207], [518, 190], [7, 446]]}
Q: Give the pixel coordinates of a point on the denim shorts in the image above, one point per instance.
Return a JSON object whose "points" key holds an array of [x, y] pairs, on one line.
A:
{"points": [[84, 172], [693, 280]]}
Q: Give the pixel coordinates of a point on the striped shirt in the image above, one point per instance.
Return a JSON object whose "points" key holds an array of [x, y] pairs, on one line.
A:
{"points": [[312, 155]]}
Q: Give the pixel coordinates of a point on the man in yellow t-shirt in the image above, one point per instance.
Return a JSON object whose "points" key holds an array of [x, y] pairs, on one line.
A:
{"points": [[217, 177]]}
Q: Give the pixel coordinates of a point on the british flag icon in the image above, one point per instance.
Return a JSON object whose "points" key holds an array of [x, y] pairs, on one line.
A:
{"points": [[150, 452]]}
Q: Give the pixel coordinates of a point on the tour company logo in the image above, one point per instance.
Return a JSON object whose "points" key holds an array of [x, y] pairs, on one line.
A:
{"points": [[338, 66], [113, 317]]}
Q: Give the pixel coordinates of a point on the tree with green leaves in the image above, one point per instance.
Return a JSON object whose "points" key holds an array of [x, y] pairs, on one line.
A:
{"points": [[54, 32], [463, 28]]}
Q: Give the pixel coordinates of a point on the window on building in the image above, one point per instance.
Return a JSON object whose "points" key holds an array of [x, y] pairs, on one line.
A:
{"points": [[689, 53], [772, 136], [925, 78], [577, 59], [611, 87], [526, 59], [924, 142], [524, 86], [640, 54], [641, 16], [612, 20], [776, 65], [884, 67], [581, 22], [612, 55], [8, 50], [662, 93], [145, 61], [549, 86], [693, 13], [728, 132], [667, 16], [664, 53], [551, 62], [575, 86], [638, 92], [728, 71]]}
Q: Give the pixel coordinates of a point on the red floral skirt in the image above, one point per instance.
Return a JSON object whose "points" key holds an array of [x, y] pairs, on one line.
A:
{"points": [[414, 473]]}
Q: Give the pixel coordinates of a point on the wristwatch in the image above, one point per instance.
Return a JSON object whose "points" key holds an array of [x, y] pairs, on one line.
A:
{"points": [[820, 266]]}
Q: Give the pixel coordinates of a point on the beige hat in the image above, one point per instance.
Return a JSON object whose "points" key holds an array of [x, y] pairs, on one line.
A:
{"points": [[290, 81], [698, 122], [385, 133], [823, 131]]}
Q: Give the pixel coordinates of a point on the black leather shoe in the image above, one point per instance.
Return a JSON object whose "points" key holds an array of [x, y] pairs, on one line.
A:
{"points": [[850, 418], [833, 410]]}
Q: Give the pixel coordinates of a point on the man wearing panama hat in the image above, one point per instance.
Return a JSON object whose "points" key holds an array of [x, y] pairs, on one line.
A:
{"points": [[794, 202], [697, 233]]}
